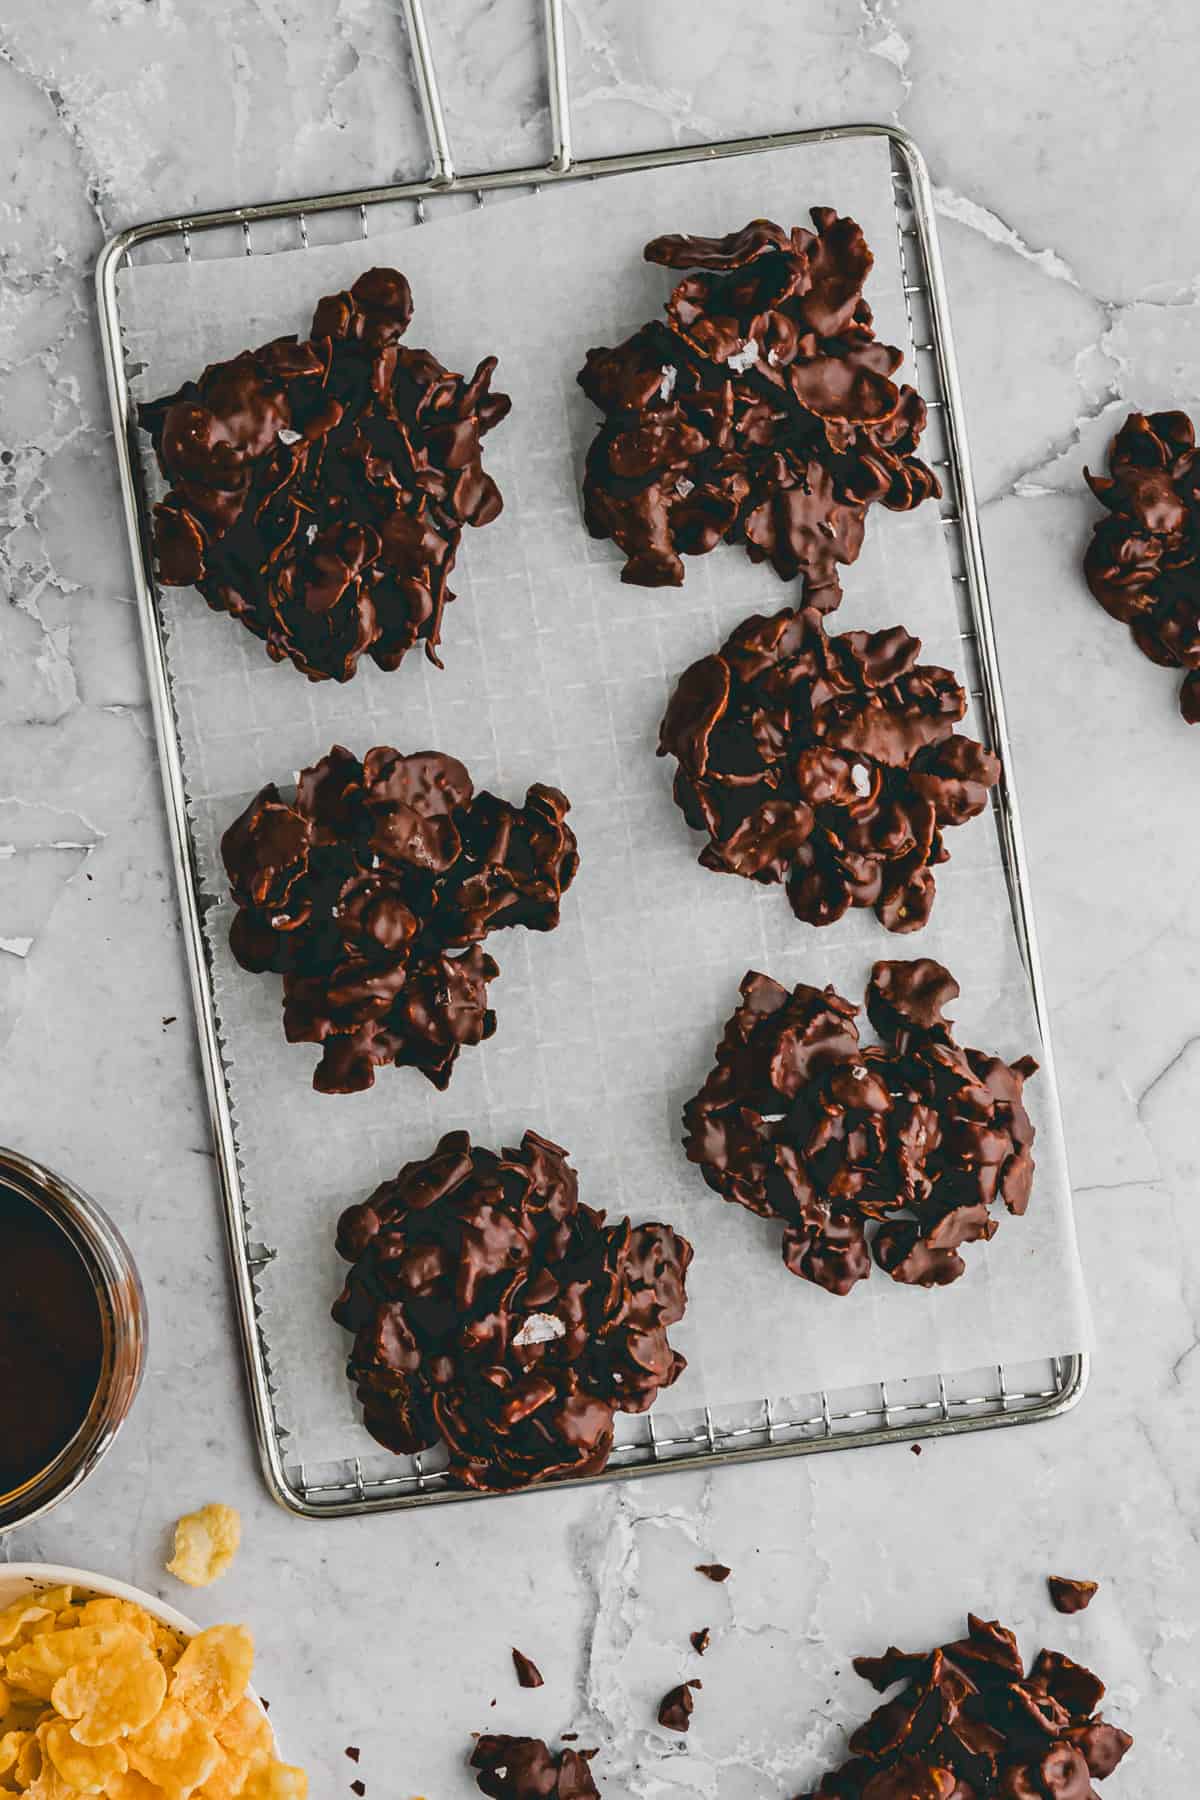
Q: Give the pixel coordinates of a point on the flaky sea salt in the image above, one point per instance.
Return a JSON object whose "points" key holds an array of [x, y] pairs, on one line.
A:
{"points": [[288, 436], [540, 1328], [860, 778], [670, 376], [311, 533], [743, 359], [683, 487]]}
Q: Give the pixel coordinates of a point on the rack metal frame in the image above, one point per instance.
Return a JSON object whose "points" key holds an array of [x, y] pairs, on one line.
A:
{"points": [[942, 1405]]}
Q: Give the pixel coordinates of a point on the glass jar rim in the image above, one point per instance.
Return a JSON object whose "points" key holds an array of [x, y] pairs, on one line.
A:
{"points": [[122, 1303]]}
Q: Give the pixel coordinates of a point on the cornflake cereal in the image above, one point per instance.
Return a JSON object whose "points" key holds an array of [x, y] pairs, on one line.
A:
{"points": [[97, 1697], [206, 1543]]}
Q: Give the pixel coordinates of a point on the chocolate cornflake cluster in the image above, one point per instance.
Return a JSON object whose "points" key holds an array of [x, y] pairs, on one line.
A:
{"points": [[828, 763], [1143, 563], [493, 1310], [517, 1768], [370, 893], [970, 1724], [318, 489], [762, 411], [916, 1138]]}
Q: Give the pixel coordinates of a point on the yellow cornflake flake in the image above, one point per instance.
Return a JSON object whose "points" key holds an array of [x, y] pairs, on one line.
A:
{"points": [[205, 1544], [176, 1749], [214, 1671]]}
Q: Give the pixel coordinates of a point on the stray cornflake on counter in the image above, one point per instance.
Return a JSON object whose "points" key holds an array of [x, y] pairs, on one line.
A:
{"points": [[206, 1543]]}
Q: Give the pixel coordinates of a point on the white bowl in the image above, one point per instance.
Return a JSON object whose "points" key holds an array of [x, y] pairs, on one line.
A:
{"points": [[20, 1579]]}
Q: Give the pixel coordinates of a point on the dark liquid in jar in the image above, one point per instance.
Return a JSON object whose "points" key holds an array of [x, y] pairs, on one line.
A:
{"points": [[51, 1340]]}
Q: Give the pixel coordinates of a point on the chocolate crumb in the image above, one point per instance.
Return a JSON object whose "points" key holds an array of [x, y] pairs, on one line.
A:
{"points": [[570, 1737], [675, 1708], [517, 1768], [714, 1571], [353, 1752], [528, 1673], [358, 1787], [700, 1640], [264, 1703], [1069, 1595], [916, 1449]]}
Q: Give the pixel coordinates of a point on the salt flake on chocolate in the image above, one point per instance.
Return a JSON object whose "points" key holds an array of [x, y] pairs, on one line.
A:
{"points": [[540, 1328], [743, 359]]}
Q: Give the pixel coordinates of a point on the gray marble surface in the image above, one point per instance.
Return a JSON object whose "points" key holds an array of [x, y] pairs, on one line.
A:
{"points": [[1061, 142]]}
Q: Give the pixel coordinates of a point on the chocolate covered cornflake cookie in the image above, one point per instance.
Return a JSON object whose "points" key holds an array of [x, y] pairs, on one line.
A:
{"points": [[493, 1311], [319, 488], [761, 411], [828, 763], [915, 1140], [969, 1723], [1143, 563], [371, 891]]}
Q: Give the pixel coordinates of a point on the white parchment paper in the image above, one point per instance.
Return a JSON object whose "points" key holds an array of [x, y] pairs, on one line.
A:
{"points": [[557, 672]]}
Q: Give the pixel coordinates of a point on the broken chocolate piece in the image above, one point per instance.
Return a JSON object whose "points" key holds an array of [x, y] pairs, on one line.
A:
{"points": [[700, 1640], [370, 893], [528, 1673], [318, 490], [493, 1311], [915, 1141], [1143, 563], [970, 1724], [353, 1752], [517, 1768], [1069, 1595], [714, 1571], [830, 764], [359, 1788], [762, 411], [675, 1710]]}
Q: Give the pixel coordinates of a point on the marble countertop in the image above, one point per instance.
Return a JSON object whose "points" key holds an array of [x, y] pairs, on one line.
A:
{"points": [[1062, 150]]}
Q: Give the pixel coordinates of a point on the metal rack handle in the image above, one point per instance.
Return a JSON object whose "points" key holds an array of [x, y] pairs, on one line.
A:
{"points": [[429, 92]]}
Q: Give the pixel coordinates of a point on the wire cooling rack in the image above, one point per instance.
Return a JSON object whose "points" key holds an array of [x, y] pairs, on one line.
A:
{"points": [[886, 1412]]}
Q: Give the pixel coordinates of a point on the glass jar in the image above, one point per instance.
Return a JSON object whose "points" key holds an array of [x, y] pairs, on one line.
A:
{"points": [[122, 1305]]}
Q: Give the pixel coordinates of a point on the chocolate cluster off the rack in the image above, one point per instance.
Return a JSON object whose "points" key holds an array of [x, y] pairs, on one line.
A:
{"points": [[517, 1768], [1143, 563], [493, 1311], [970, 1723], [829, 763], [318, 489], [916, 1138], [761, 411], [370, 893]]}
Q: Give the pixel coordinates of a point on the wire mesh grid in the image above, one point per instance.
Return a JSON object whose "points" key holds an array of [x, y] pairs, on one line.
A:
{"points": [[887, 1411]]}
